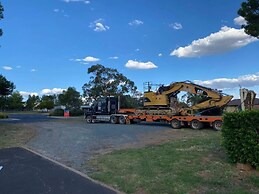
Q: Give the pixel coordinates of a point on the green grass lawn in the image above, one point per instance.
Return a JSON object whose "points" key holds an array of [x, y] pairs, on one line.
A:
{"points": [[189, 165]]}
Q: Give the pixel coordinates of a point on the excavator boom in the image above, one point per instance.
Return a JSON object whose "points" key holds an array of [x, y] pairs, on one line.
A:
{"points": [[166, 96]]}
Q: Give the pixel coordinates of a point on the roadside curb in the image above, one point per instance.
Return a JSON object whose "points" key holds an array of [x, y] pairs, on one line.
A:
{"points": [[73, 170], [62, 117], [10, 119]]}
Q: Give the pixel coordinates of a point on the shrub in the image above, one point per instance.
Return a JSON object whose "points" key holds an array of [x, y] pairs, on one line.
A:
{"points": [[3, 116], [73, 112], [240, 134], [57, 112], [76, 112]]}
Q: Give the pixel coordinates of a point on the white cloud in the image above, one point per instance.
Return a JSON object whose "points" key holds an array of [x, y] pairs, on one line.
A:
{"points": [[26, 94], [160, 54], [82, 1], [86, 60], [140, 65], [136, 23], [176, 26], [225, 40], [115, 57], [240, 21], [250, 80], [224, 21], [99, 26], [76, 60], [90, 59], [52, 91], [59, 10], [84, 63], [7, 68]]}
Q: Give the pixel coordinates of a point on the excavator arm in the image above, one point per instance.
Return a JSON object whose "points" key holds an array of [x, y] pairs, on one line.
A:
{"points": [[166, 96]]}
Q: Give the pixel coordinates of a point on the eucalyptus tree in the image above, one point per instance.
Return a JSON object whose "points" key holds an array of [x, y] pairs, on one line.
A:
{"points": [[250, 12], [106, 81]]}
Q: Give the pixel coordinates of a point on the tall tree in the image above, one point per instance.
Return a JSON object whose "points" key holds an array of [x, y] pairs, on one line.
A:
{"points": [[107, 81], [32, 101], [1, 17], [70, 98], [250, 11], [128, 101], [15, 101], [46, 102], [6, 88]]}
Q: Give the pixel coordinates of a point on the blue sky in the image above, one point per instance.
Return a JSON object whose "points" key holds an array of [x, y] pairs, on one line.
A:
{"points": [[48, 45]]}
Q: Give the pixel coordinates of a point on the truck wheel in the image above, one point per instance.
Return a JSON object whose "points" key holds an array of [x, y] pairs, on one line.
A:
{"points": [[217, 125], [114, 119], [89, 119], [122, 120], [175, 124], [195, 124]]}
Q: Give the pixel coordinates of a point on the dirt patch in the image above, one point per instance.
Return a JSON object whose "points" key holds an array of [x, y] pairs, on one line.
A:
{"points": [[199, 190], [205, 174], [208, 158], [141, 191], [13, 135], [244, 167]]}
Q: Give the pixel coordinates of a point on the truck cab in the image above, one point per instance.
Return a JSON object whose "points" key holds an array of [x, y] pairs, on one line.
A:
{"points": [[101, 109]]}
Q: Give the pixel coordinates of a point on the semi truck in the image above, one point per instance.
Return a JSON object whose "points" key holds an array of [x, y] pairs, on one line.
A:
{"points": [[106, 109], [162, 106]]}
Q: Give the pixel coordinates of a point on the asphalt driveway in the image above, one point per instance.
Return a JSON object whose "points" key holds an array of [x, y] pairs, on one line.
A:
{"points": [[26, 118], [24, 172]]}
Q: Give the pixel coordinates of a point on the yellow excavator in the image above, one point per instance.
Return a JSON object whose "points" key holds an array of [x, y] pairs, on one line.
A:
{"points": [[163, 106], [166, 98]]}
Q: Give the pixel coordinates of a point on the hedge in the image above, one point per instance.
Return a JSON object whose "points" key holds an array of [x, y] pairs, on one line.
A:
{"points": [[57, 112], [76, 112], [240, 134], [73, 112], [3, 116]]}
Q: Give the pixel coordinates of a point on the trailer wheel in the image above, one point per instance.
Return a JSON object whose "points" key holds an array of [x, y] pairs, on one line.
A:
{"points": [[217, 125], [114, 119], [175, 124], [89, 119], [195, 124], [122, 120]]}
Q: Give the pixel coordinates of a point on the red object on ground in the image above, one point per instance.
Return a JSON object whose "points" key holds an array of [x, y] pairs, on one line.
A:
{"points": [[66, 113]]}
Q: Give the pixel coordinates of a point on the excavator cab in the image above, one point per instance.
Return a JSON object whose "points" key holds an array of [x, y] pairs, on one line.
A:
{"points": [[153, 95]]}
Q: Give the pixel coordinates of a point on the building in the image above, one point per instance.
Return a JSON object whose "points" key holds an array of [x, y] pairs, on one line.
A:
{"points": [[235, 105]]}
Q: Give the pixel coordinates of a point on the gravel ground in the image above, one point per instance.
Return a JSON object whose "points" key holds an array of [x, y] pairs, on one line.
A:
{"points": [[73, 141]]}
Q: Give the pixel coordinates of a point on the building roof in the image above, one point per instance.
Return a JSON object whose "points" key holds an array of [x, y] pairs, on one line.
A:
{"points": [[237, 102]]}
